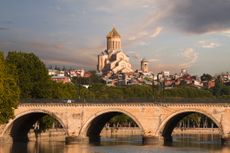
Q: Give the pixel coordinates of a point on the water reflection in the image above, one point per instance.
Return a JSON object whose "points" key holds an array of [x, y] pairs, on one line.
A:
{"points": [[33, 147], [182, 144]]}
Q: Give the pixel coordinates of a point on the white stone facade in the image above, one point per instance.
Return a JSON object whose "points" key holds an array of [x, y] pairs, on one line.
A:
{"points": [[113, 59]]}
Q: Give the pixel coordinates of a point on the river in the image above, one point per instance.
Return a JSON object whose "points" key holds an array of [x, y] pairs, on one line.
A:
{"points": [[182, 144]]}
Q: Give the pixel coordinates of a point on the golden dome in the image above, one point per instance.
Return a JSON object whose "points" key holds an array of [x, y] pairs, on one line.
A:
{"points": [[113, 33]]}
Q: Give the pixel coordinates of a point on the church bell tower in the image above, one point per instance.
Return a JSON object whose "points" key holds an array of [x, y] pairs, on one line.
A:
{"points": [[113, 41], [144, 65]]}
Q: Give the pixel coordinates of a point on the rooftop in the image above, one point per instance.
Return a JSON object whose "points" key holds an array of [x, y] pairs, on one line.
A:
{"points": [[113, 33]]}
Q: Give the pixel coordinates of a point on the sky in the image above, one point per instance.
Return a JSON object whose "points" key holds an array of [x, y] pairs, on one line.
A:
{"points": [[171, 34]]}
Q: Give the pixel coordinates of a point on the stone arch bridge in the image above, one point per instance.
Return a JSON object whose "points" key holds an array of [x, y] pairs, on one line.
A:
{"points": [[84, 121]]}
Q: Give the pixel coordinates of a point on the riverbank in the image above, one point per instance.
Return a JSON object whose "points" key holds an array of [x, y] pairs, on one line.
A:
{"points": [[59, 134], [137, 131], [122, 131], [49, 135], [196, 131]]}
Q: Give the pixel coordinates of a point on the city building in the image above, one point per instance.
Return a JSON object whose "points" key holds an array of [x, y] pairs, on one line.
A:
{"points": [[52, 72], [144, 66], [113, 60], [62, 79]]}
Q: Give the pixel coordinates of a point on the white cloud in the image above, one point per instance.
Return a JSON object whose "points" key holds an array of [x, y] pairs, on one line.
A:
{"points": [[135, 55], [141, 36], [190, 56], [145, 6], [156, 32], [208, 44], [153, 60], [132, 38], [142, 43], [226, 33]]}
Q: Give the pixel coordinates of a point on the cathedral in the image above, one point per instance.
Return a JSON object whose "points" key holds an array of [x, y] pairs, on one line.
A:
{"points": [[113, 60]]}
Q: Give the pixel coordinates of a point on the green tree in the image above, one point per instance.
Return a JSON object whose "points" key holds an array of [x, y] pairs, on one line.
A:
{"points": [[217, 90], [94, 78], [206, 77], [187, 92], [122, 119], [138, 91], [46, 122], [33, 79], [9, 91], [221, 90], [62, 91]]}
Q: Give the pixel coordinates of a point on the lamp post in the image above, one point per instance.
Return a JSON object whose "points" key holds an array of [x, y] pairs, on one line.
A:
{"points": [[163, 89], [78, 84]]}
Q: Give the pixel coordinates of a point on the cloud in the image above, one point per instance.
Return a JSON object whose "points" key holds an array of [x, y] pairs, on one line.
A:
{"points": [[138, 36], [138, 57], [3, 28], [200, 16], [190, 56], [142, 43], [166, 67], [190, 16], [153, 60], [208, 44], [187, 58], [143, 35], [58, 53], [135, 56], [132, 38], [156, 32], [145, 6], [226, 33]]}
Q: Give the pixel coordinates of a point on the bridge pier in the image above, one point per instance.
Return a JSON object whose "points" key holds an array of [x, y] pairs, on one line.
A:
{"points": [[168, 139], [81, 139], [153, 140], [76, 139], [225, 139]]}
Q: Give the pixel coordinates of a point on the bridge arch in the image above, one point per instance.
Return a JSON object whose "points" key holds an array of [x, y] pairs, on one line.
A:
{"points": [[95, 123], [17, 128], [171, 121]]}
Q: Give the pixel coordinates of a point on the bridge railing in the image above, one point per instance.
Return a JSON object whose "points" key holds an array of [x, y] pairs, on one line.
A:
{"points": [[130, 100]]}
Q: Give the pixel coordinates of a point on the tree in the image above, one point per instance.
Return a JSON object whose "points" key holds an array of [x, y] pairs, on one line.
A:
{"points": [[33, 79], [62, 91], [94, 78], [9, 91], [206, 77], [220, 89], [123, 120], [217, 90], [46, 122], [187, 92], [138, 91]]}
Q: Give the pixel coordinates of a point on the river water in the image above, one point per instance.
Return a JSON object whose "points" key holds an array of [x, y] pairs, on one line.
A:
{"points": [[181, 144]]}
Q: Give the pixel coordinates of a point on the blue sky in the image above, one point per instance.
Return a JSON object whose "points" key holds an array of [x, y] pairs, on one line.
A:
{"points": [[172, 34]]}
